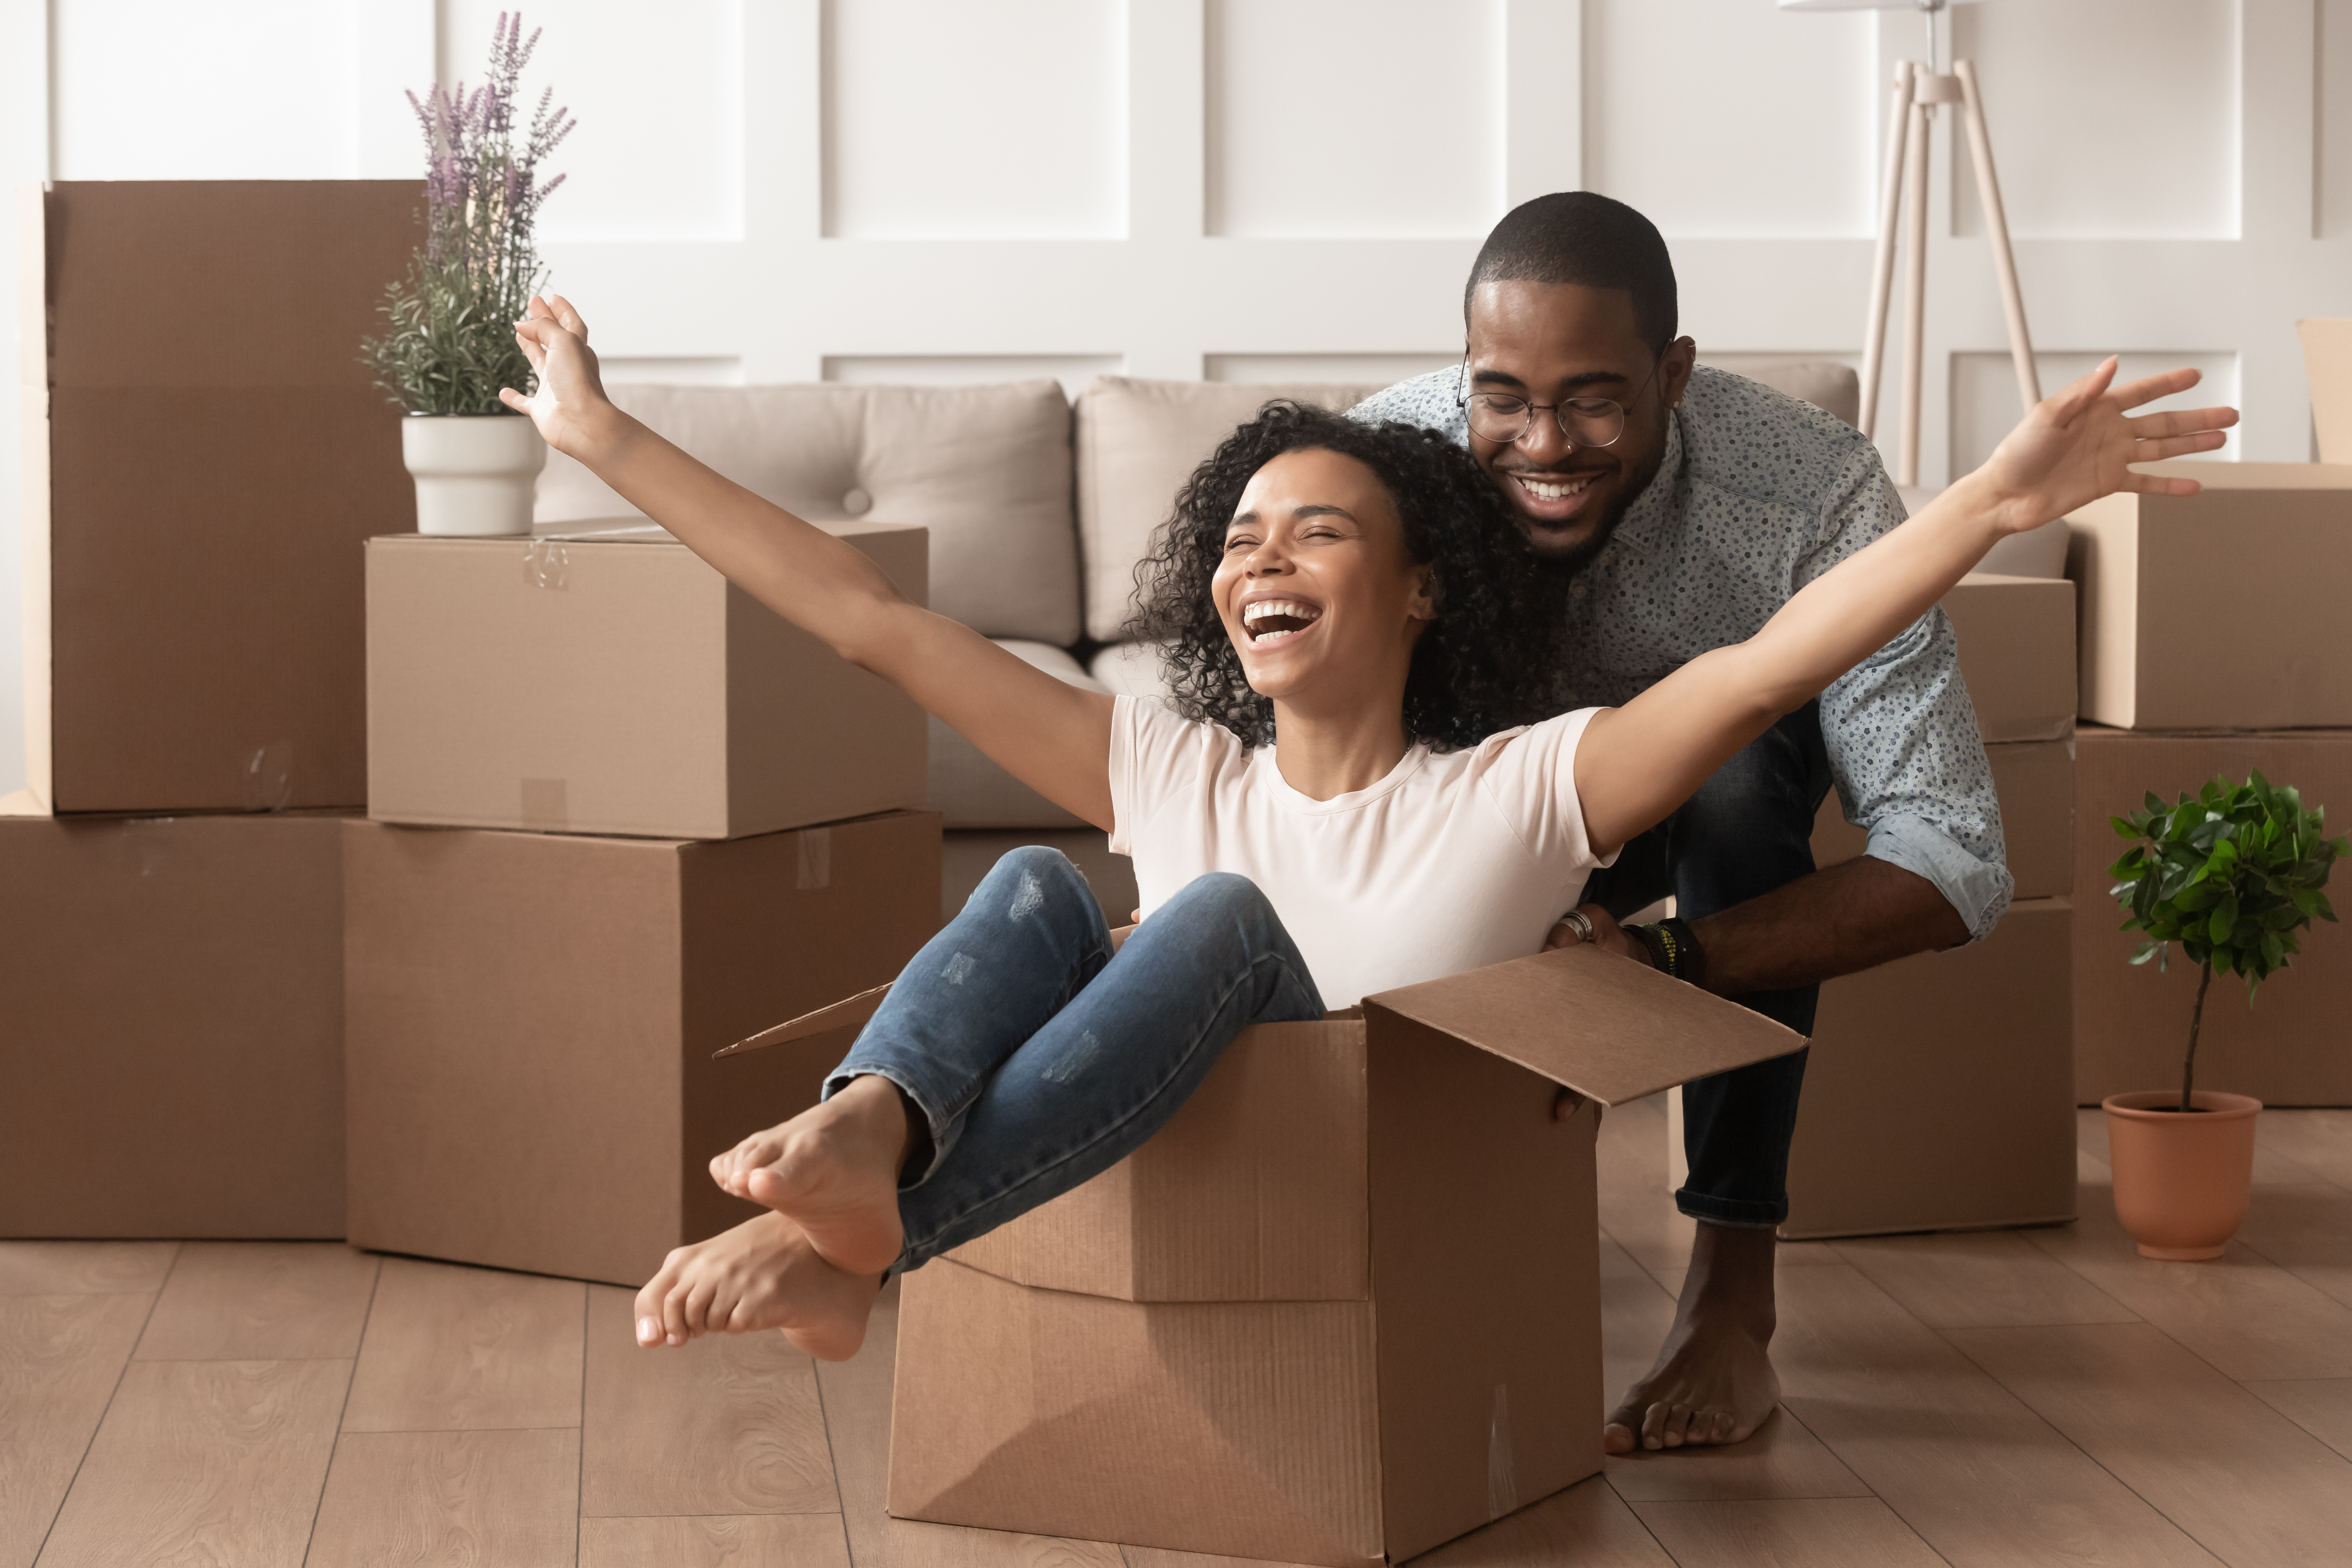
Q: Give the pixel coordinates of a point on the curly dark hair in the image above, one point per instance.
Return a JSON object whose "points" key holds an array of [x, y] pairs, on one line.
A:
{"points": [[1489, 660]]}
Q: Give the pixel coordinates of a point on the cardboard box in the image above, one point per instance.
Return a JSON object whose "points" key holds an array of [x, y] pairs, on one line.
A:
{"points": [[1344, 1306], [619, 685], [172, 1039], [1938, 1093], [203, 454], [2327, 365], [2035, 782], [2016, 654], [531, 1018], [2219, 610], [2294, 1045]]}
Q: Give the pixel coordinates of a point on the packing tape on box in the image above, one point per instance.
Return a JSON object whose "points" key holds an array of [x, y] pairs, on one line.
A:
{"points": [[269, 777], [546, 563], [546, 805], [141, 846], [816, 858], [1502, 1482]]}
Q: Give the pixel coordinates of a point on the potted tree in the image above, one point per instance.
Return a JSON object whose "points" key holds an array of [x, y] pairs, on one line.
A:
{"points": [[2231, 873], [449, 341]]}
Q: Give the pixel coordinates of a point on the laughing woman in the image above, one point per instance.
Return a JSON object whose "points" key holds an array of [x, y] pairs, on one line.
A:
{"points": [[1337, 804]]}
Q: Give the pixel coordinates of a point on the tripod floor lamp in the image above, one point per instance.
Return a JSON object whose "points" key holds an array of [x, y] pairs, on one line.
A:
{"points": [[1918, 88]]}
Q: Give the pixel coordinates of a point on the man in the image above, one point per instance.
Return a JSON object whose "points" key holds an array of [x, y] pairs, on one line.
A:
{"points": [[1690, 504]]}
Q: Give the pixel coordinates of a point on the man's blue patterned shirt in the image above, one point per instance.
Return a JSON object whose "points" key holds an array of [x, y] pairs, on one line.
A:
{"points": [[1757, 495]]}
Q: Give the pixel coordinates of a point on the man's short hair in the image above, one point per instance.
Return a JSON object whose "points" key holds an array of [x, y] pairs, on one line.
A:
{"points": [[1585, 239]]}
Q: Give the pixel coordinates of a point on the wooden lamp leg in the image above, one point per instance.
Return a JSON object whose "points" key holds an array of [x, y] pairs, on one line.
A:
{"points": [[2005, 261], [1915, 297], [1882, 269]]}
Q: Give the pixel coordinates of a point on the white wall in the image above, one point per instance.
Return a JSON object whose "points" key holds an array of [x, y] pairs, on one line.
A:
{"points": [[934, 190]]}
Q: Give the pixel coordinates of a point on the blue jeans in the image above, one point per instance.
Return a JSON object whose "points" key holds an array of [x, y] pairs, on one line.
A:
{"points": [[1749, 831], [1038, 1059]]}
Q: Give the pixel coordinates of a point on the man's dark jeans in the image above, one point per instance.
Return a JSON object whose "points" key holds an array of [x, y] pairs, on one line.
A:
{"points": [[1748, 830]]}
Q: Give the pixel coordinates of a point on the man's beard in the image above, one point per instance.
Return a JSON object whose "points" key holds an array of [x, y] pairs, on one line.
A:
{"points": [[1557, 566]]}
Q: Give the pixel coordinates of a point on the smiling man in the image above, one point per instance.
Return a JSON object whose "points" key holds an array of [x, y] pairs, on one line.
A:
{"points": [[1690, 504]]}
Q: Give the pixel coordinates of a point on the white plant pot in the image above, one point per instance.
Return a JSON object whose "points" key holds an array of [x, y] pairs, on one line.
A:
{"points": [[475, 472]]}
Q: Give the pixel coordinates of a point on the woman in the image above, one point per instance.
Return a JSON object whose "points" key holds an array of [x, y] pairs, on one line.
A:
{"points": [[1382, 838]]}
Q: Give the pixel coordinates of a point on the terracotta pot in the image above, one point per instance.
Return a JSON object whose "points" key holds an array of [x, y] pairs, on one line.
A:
{"points": [[2181, 1181]]}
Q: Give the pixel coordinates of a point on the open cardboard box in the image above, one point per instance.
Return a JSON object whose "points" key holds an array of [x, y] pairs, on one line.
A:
{"points": [[1344, 1307]]}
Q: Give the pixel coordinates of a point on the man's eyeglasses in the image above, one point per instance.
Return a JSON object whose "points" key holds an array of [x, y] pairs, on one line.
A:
{"points": [[1506, 420]]}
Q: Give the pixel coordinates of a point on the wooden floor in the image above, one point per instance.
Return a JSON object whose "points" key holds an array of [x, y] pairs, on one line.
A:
{"points": [[1999, 1398]]}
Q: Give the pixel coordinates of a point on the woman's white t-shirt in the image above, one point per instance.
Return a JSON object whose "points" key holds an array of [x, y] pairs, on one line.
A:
{"points": [[1453, 861]]}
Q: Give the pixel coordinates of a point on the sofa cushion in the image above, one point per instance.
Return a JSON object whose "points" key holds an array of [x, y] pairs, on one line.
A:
{"points": [[1137, 442], [1825, 384], [985, 469], [970, 791], [1130, 669]]}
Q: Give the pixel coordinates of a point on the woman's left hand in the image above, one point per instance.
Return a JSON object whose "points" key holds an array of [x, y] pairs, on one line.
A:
{"points": [[2078, 445]]}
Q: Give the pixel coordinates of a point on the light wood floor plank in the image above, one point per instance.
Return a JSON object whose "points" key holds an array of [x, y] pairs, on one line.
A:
{"points": [[449, 1348], [1823, 1533], [2318, 1141], [1980, 1279], [738, 1541], [2320, 1406], [60, 1357], [857, 1413], [84, 1267], [261, 1300], [730, 1424], [1637, 1207], [394, 1498], [2308, 1231], [2242, 1312], [204, 1462], [2249, 1484], [1588, 1524], [1980, 1477]]}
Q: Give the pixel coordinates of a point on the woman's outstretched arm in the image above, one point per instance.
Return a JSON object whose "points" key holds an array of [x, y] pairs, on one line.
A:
{"points": [[1052, 736], [1636, 763]]}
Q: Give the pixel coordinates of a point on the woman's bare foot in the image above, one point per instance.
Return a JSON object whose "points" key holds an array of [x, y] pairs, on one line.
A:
{"points": [[1714, 1382], [833, 1170], [763, 1274]]}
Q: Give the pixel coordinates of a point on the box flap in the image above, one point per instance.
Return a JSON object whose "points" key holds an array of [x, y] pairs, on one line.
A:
{"points": [[1611, 1031]]}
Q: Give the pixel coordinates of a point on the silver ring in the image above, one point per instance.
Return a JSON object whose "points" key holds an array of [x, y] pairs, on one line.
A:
{"points": [[1579, 922]]}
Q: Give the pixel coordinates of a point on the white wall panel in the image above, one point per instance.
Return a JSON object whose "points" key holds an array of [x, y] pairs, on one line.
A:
{"points": [[947, 119], [1346, 370], [263, 89], [1725, 119], [1073, 371], [658, 92], [1984, 391], [690, 370], [1349, 119], [2110, 119], [2333, 52]]}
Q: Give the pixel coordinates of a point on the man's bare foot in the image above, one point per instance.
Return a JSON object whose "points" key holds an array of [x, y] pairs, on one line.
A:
{"points": [[833, 1170], [1713, 1382], [763, 1274]]}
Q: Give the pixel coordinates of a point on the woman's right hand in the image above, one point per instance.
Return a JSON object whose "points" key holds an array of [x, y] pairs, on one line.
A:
{"points": [[568, 404]]}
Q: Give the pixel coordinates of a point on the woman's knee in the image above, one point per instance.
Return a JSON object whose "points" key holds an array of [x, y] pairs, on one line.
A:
{"points": [[1032, 875], [1223, 893]]}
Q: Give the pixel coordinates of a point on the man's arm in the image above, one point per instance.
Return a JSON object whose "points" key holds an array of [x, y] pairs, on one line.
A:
{"points": [[1855, 916]]}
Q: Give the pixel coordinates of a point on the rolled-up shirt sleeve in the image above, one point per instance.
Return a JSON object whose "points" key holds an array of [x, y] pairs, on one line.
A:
{"points": [[1902, 734]]}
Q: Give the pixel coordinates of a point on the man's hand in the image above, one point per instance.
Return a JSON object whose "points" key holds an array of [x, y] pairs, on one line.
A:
{"points": [[569, 396], [2078, 445], [1607, 935]]}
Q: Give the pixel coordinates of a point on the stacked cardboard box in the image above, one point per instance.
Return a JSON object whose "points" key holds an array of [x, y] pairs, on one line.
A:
{"points": [[1939, 1090], [620, 814], [203, 456], [2181, 690]]}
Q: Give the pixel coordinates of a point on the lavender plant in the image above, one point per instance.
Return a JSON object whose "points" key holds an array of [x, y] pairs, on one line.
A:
{"points": [[449, 343]]}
